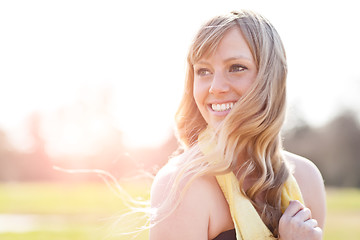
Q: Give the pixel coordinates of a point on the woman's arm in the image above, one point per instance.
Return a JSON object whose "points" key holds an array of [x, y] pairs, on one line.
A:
{"points": [[190, 219], [299, 221]]}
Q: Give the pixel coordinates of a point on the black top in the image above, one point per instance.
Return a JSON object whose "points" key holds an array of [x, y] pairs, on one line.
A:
{"points": [[227, 235]]}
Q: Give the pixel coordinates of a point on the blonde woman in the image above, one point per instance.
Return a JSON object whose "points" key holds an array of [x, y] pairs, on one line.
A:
{"points": [[233, 179]]}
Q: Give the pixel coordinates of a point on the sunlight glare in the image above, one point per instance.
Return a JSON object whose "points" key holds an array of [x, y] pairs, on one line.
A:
{"points": [[59, 54]]}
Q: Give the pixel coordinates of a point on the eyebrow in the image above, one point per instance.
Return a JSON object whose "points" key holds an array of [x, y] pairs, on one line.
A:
{"points": [[242, 57], [239, 57]]}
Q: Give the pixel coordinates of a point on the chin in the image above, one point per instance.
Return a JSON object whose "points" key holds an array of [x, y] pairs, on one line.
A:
{"points": [[215, 124]]}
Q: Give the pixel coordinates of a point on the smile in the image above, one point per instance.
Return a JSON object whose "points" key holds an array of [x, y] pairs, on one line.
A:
{"points": [[222, 107]]}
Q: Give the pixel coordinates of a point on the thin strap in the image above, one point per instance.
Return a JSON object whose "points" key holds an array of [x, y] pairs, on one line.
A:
{"points": [[227, 235]]}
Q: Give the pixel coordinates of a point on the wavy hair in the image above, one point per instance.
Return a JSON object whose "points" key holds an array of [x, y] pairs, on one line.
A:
{"points": [[249, 137]]}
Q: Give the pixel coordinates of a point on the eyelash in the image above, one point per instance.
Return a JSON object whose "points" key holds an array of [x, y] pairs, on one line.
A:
{"points": [[201, 71], [233, 68], [238, 66]]}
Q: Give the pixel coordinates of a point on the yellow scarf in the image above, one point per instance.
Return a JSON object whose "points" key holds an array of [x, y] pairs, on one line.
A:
{"points": [[248, 224]]}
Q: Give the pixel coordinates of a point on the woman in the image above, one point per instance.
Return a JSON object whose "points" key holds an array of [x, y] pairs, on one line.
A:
{"points": [[233, 180]]}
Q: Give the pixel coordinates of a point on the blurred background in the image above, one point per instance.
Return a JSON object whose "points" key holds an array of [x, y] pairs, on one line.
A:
{"points": [[95, 85]]}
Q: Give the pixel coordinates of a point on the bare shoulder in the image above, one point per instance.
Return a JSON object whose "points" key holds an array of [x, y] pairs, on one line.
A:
{"points": [[311, 185], [193, 212], [162, 184], [305, 171]]}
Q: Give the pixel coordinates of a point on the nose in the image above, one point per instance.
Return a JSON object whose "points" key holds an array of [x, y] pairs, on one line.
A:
{"points": [[219, 84]]}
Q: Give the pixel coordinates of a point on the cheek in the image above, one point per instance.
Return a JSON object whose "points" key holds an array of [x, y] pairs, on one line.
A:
{"points": [[242, 87], [198, 92]]}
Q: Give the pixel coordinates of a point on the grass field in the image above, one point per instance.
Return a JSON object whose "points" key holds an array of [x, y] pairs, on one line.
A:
{"points": [[49, 211]]}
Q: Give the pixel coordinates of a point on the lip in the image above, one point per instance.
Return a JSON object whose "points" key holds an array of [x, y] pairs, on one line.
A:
{"points": [[221, 102]]}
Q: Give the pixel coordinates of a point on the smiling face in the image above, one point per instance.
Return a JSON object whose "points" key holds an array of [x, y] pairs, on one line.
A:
{"points": [[222, 78]]}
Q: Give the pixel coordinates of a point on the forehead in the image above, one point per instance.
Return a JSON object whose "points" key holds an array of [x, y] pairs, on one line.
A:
{"points": [[232, 45]]}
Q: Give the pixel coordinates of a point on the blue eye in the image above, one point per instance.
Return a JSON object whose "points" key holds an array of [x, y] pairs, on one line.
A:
{"points": [[203, 72], [237, 68]]}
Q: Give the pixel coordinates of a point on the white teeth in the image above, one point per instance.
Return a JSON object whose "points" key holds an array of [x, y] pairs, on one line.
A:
{"points": [[222, 107]]}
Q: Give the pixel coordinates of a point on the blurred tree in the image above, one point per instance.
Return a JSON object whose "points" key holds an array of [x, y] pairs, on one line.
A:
{"points": [[8, 159], [33, 165], [334, 148], [36, 164]]}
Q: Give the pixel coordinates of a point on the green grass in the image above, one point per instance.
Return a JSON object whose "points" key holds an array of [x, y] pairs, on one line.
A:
{"points": [[343, 216], [53, 235], [90, 211], [56, 198], [70, 211]]}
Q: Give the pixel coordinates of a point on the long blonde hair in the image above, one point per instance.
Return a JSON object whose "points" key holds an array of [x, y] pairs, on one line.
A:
{"points": [[252, 128]]}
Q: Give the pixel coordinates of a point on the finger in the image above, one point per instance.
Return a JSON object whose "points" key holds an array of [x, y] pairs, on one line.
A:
{"points": [[318, 232], [293, 208], [312, 223], [304, 214]]}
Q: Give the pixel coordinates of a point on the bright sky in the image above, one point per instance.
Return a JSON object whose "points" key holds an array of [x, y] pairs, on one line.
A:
{"points": [[57, 53]]}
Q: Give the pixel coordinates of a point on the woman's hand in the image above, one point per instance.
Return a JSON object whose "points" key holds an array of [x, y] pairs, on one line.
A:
{"points": [[297, 223]]}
